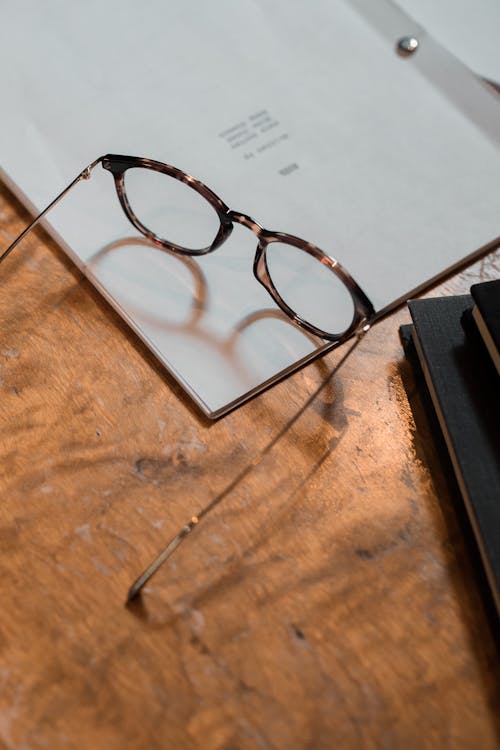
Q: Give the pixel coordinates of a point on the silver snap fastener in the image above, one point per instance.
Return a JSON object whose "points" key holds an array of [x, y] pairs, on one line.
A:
{"points": [[406, 46]]}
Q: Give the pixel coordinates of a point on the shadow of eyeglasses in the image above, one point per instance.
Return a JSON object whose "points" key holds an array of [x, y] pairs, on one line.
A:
{"points": [[197, 307]]}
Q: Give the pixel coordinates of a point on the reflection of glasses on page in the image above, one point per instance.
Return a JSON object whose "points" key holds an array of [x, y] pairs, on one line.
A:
{"points": [[181, 214]]}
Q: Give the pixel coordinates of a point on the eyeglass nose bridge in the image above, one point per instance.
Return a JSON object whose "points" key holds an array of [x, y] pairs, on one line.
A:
{"points": [[246, 221]]}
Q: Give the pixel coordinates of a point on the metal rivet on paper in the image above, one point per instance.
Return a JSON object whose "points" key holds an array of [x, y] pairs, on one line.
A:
{"points": [[406, 46]]}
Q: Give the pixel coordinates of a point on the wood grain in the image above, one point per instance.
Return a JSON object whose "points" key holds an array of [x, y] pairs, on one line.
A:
{"points": [[333, 600]]}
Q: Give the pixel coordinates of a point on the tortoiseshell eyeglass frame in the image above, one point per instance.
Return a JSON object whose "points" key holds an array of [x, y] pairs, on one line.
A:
{"points": [[363, 311]]}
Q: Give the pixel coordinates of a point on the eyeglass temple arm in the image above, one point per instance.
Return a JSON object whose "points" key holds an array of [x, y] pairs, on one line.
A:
{"points": [[84, 175], [152, 568]]}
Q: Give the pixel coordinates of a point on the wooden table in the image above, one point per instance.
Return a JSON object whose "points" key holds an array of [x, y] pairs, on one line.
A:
{"points": [[332, 600]]}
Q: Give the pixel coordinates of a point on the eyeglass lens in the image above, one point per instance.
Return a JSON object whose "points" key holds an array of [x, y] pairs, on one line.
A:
{"points": [[310, 288], [171, 209]]}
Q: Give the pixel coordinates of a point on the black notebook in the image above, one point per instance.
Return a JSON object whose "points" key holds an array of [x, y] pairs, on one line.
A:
{"points": [[463, 384], [486, 313]]}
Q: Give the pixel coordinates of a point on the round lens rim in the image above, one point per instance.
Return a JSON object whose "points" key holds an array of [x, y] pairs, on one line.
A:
{"points": [[119, 165], [363, 311]]}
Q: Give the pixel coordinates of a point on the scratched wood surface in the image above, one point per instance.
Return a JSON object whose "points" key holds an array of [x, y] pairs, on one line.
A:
{"points": [[332, 600]]}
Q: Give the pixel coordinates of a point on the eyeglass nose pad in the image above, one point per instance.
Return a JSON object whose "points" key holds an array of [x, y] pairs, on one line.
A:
{"points": [[260, 267]]}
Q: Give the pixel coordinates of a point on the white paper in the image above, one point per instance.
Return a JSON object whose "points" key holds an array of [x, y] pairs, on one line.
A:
{"points": [[398, 160]]}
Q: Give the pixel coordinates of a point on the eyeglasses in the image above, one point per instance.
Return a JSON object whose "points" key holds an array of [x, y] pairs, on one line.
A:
{"points": [[181, 214]]}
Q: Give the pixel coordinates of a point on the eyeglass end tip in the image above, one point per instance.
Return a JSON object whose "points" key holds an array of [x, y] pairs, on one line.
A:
{"points": [[133, 592]]}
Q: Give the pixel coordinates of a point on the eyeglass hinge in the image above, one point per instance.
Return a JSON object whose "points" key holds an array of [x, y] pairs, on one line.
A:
{"points": [[86, 173], [362, 329]]}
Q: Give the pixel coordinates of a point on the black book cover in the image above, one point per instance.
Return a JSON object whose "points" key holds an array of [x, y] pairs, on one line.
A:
{"points": [[464, 387], [486, 313]]}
